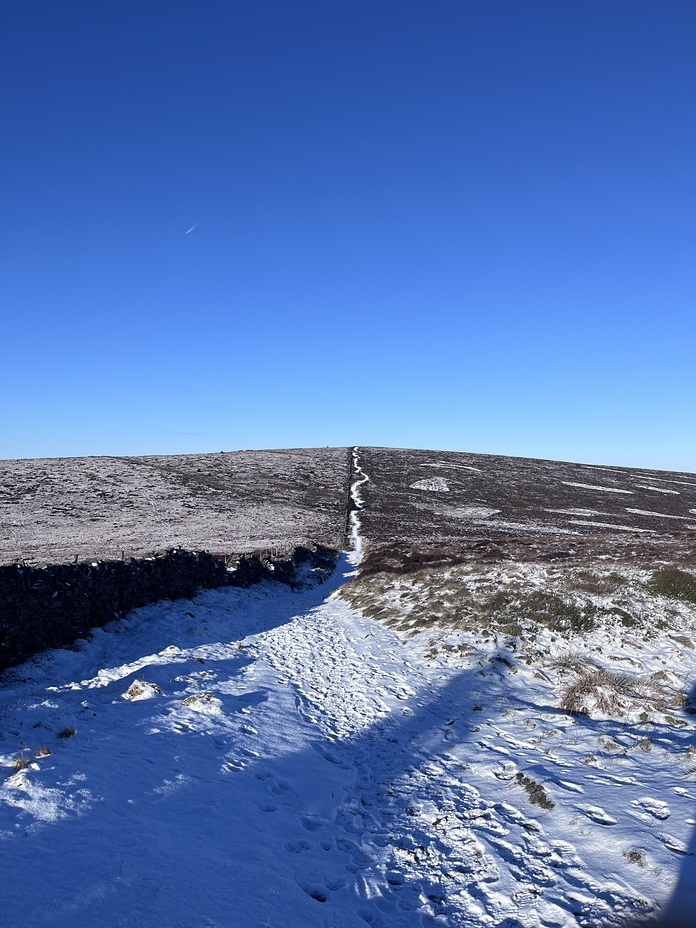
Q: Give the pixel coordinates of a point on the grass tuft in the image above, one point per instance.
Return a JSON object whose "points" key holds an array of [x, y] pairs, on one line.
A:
{"points": [[536, 792], [589, 581], [674, 584], [610, 692]]}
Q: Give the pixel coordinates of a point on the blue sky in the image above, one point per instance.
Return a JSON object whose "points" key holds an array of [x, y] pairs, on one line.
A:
{"points": [[441, 224]]}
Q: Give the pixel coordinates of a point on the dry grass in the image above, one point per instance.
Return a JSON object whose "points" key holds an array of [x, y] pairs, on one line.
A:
{"points": [[598, 688], [635, 856], [140, 688], [590, 581], [610, 693], [535, 791], [67, 732]]}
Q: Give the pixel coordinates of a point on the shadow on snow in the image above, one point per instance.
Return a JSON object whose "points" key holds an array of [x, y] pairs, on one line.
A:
{"points": [[198, 830]]}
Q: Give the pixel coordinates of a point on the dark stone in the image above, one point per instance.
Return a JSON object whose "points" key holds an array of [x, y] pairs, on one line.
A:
{"points": [[52, 606]]}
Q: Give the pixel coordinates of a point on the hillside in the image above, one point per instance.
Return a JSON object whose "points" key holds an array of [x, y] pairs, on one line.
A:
{"points": [[58, 509], [486, 717], [428, 496], [54, 510]]}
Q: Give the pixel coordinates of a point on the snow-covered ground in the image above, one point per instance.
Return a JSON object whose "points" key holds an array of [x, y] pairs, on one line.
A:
{"points": [[274, 759]]}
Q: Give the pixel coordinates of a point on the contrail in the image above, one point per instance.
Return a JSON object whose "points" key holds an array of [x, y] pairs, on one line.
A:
{"points": [[192, 228]]}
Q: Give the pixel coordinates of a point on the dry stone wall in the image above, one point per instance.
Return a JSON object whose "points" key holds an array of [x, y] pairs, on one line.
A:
{"points": [[52, 606]]}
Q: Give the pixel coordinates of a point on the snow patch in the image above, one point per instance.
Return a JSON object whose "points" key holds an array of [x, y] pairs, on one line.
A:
{"points": [[660, 515], [593, 486], [474, 512], [431, 484], [579, 512], [619, 528], [453, 466], [531, 526], [141, 689]]}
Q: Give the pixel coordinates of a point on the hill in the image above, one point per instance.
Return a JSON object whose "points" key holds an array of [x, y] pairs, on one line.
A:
{"points": [[58, 509]]}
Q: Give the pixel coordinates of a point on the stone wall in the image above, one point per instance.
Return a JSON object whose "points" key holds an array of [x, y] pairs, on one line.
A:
{"points": [[52, 606]]}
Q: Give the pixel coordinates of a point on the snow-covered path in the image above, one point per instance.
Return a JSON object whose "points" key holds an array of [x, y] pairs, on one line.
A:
{"points": [[290, 764], [358, 477], [234, 789]]}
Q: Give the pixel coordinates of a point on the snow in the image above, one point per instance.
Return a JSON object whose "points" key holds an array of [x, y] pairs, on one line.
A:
{"points": [[431, 484], [645, 486], [266, 757], [454, 466], [579, 512], [530, 527], [592, 486], [355, 555], [474, 512], [619, 528], [660, 515]]}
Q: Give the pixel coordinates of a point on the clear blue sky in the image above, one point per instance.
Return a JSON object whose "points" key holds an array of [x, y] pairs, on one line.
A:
{"points": [[455, 224]]}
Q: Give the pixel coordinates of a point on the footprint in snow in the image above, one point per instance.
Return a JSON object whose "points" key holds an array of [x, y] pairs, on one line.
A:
{"points": [[297, 847], [514, 817], [313, 822], [573, 787], [598, 815], [673, 844], [565, 854], [654, 807], [315, 891], [494, 747], [234, 765], [328, 756]]}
